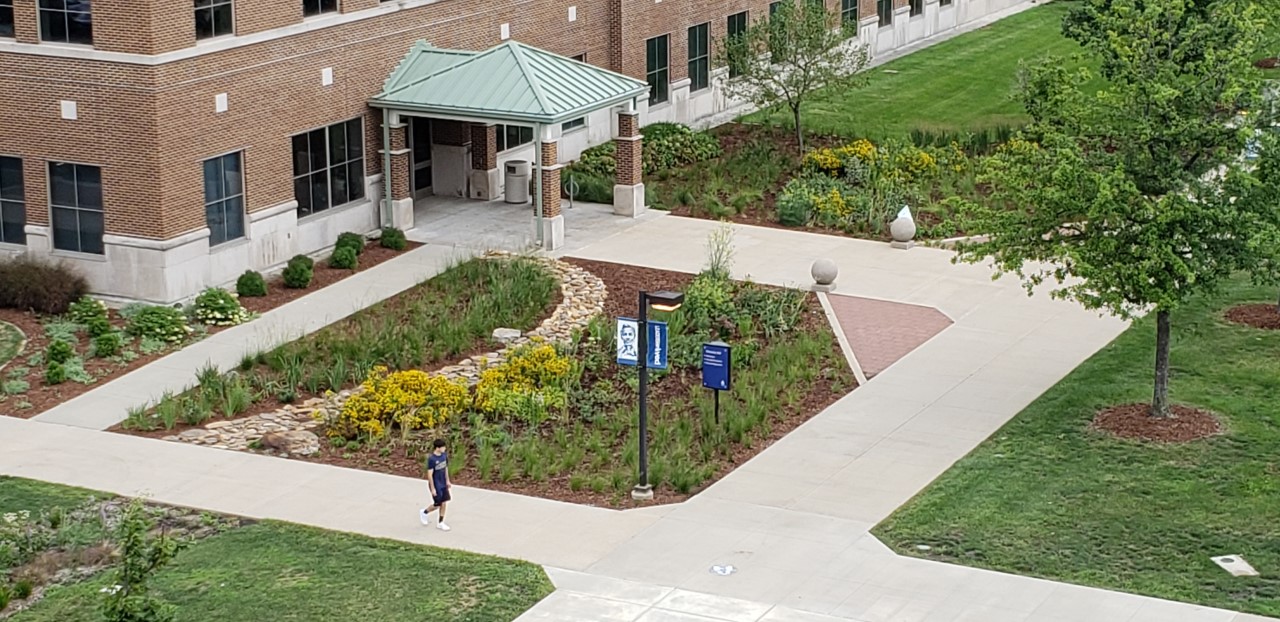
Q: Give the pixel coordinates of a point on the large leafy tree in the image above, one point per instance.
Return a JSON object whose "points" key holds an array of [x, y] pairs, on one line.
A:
{"points": [[782, 60], [1134, 198]]}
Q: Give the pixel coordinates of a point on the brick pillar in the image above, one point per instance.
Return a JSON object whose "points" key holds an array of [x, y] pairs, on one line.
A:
{"points": [[26, 22], [486, 182], [550, 181], [401, 169], [628, 193]]}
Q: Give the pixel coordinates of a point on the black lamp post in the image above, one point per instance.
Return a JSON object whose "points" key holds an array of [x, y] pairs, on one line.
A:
{"points": [[660, 301]]}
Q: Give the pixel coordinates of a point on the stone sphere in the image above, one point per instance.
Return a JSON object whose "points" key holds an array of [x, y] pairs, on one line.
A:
{"points": [[903, 229], [824, 271]]}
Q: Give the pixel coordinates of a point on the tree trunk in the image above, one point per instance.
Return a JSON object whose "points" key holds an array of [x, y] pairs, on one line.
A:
{"points": [[1278, 306], [1160, 400], [795, 113]]}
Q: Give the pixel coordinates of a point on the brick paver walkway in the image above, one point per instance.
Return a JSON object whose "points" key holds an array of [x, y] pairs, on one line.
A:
{"points": [[880, 332]]}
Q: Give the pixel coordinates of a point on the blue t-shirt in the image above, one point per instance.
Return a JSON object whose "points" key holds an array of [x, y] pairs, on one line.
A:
{"points": [[439, 468]]}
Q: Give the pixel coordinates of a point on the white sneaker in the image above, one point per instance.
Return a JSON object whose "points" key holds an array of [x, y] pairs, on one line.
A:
{"points": [[424, 516], [442, 527]]}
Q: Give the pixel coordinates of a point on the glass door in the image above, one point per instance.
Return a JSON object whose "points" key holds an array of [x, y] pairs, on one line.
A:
{"points": [[420, 154]]}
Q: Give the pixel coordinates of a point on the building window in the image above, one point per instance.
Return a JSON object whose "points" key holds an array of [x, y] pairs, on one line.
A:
{"points": [[13, 202], [75, 198], [213, 18], [774, 7], [66, 21], [328, 166], [224, 198], [316, 7], [699, 57], [6, 18], [849, 13], [944, 2], [917, 7], [885, 9], [657, 69], [737, 27], [574, 124], [512, 136]]}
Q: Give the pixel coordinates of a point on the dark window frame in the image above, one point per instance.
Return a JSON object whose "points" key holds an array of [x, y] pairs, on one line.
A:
{"points": [[13, 202], [736, 25], [6, 18], [699, 65], [944, 2], [83, 206], [60, 23], [505, 133], [917, 8], [658, 76], [226, 201], [849, 13], [311, 8], [884, 9], [317, 170], [214, 18], [573, 124]]}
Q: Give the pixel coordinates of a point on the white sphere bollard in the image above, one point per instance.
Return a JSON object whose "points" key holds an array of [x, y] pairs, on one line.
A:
{"points": [[824, 272], [903, 229]]}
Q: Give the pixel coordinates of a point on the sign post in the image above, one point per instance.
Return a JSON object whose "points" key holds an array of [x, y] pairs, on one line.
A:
{"points": [[717, 370]]}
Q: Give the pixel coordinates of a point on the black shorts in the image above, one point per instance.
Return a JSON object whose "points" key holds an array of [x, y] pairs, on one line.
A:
{"points": [[440, 497]]}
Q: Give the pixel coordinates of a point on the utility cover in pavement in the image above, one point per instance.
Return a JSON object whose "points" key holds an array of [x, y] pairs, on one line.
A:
{"points": [[1236, 565], [723, 571]]}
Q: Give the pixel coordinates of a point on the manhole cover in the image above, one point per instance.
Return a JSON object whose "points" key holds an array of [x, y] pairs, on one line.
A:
{"points": [[724, 570]]}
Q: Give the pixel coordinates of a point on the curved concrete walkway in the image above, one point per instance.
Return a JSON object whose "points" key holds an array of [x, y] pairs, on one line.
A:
{"points": [[792, 522]]}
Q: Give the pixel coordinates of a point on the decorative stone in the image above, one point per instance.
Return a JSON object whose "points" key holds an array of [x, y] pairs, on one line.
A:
{"points": [[506, 334], [295, 443], [824, 272], [903, 229]]}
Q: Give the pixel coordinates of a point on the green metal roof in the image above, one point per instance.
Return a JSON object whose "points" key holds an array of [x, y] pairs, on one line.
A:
{"points": [[510, 82]]}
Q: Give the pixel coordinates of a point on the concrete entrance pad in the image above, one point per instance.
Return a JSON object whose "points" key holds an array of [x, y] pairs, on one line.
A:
{"points": [[479, 226]]}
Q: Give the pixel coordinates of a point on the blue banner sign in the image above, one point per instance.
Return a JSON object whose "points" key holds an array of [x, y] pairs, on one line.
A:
{"points": [[717, 365], [626, 336]]}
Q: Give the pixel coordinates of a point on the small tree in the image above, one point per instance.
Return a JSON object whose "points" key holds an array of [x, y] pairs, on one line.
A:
{"points": [[1135, 198], [781, 61], [141, 555]]}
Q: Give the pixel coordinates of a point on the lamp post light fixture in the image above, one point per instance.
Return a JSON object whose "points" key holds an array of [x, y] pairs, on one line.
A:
{"points": [[659, 301]]}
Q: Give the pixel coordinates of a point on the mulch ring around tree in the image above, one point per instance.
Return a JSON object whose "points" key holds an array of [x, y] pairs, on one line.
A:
{"points": [[1267, 63], [1134, 421], [1264, 315]]}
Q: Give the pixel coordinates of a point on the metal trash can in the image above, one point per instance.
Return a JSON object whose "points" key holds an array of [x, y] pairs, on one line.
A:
{"points": [[517, 181]]}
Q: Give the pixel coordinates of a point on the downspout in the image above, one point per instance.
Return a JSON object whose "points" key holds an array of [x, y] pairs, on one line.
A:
{"points": [[386, 167], [537, 174]]}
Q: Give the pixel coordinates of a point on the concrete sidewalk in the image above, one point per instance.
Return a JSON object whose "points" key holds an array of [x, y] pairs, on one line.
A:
{"points": [[108, 404]]}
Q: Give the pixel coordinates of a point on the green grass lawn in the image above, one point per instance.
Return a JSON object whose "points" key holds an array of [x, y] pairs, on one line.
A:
{"points": [[1045, 496], [962, 84], [278, 571]]}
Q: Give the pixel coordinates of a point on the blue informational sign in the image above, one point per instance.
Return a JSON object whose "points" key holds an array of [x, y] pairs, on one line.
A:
{"points": [[717, 365], [627, 338]]}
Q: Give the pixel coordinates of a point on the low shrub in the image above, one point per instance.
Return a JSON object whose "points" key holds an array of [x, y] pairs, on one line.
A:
{"points": [[599, 161], [665, 146], [164, 324], [59, 351], [218, 307], [298, 273], [529, 386], [107, 344], [354, 241], [28, 283], [98, 327], [251, 285], [344, 258], [55, 373], [408, 399], [797, 203], [85, 310], [589, 187], [393, 239], [708, 302], [22, 588]]}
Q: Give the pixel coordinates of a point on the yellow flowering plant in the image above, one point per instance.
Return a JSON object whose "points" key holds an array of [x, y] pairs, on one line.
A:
{"points": [[409, 399], [529, 385]]}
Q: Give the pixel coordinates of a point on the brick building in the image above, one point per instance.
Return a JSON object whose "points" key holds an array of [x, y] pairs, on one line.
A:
{"points": [[161, 149]]}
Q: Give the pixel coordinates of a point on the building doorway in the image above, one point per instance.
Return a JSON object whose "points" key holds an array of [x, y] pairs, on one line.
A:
{"points": [[420, 155]]}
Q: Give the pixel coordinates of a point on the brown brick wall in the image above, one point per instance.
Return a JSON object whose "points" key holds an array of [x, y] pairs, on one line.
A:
{"points": [[452, 133], [484, 147], [550, 181], [256, 15], [143, 26], [629, 146], [351, 6], [400, 180], [26, 25]]}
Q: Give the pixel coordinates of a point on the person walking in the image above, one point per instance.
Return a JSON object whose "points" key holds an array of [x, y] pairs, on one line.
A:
{"points": [[437, 483]]}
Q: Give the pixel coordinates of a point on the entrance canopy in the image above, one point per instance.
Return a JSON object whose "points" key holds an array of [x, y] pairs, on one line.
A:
{"points": [[510, 83]]}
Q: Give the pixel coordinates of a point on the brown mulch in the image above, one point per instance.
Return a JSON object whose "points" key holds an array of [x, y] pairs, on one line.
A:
{"points": [[624, 283], [1134, 421], [1261, 315], [42, 397], [322, 276], [1267, 63]]}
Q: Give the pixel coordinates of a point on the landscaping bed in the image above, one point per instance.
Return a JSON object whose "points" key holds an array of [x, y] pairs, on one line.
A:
{"points": [[1052, 496], [58, 562], [550, 413], [28, 387]]}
